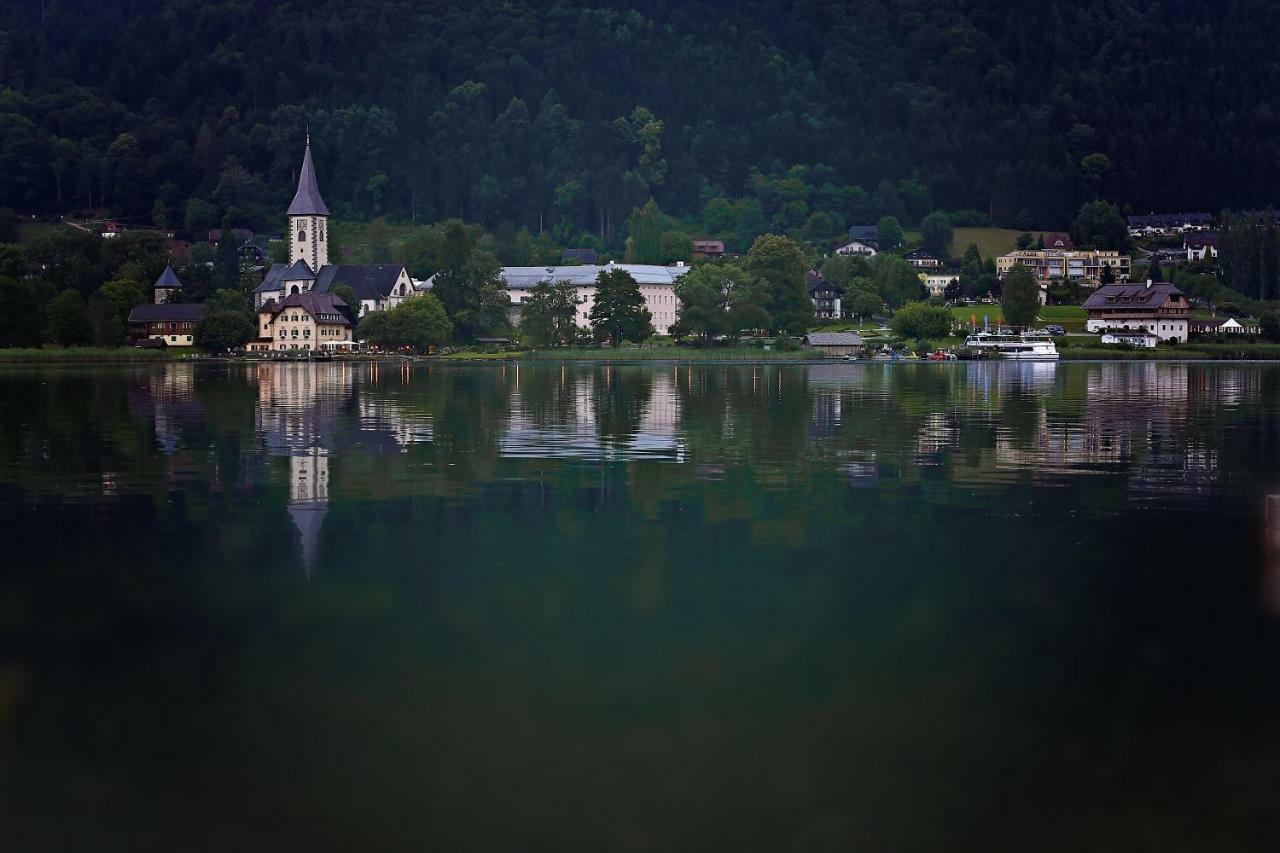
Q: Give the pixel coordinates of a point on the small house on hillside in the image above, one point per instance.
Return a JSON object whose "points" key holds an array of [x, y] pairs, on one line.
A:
{"points": [[708, 248], [835, 344], [825, 295], [864, 248], [922, 260]]}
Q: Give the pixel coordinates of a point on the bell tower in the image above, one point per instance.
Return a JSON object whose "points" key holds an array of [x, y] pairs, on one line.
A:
{"points": [[308, 219]]}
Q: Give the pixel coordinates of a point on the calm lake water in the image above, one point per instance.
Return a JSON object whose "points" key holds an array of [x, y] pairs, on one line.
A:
{"points": [[652, 608]]}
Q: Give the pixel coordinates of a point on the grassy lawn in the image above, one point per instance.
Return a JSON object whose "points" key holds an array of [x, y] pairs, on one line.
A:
{"points": [[55, 355], [1070, 317], [991, 241]]}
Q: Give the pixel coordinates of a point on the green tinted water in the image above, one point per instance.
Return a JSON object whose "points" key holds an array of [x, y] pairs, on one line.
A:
{"points": [[831, 607]]}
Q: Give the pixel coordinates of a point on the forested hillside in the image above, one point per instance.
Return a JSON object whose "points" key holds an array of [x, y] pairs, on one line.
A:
{"points": [[805, 116]]}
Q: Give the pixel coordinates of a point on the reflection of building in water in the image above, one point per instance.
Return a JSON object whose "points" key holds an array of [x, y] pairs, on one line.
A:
{"points": [[297, 417], [1271, 568], [568, 425], [309, 498], [1133, 415]]}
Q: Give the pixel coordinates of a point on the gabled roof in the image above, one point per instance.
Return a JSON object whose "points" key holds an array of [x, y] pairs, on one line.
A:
{"points": [[168, 278], [322, 306], [863, 233], [1150, 296], [307, 200], [814, 280], [369, 281], [280, 273], [168, 312]]}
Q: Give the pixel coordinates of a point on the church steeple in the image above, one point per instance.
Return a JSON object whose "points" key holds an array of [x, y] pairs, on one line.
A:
{"points": [[308, 218]]}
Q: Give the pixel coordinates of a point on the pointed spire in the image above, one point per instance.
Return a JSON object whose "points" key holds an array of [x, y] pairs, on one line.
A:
{"points": [[307, 201], [168, 278]]}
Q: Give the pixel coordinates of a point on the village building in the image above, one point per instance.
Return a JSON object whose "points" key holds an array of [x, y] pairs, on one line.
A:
{"points": [[1200, 247], [377, 286], [708, 248], [1086, 266], [1226, 326], [835, 344], [857, 247], [166, 288], [173, 323], [1159, 308], [922, 260], [1156, 224], [1144, 340], [936, 281], [825, 295], [302, 321], [657, 286]]}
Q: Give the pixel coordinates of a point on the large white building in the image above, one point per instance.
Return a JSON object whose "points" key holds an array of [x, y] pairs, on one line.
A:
{"points": [[377, 286], [657, 286]]}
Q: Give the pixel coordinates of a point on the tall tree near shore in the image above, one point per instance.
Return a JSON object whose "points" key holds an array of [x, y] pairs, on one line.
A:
{"points": [[780, 265], [1021, 297], [618, 311]]}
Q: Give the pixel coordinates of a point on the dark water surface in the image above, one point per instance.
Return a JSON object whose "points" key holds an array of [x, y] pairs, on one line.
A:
{"points": [[841, 607]]}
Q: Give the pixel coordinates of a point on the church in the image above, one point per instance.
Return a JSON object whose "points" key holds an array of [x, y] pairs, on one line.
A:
{"points": [[377, 286]]}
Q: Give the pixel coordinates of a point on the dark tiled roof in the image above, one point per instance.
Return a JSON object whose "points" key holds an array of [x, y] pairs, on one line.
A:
{"points": [[307, 201], [315, 304], [168, 278], [297, 271], [1131, 296], [369, 281], [813, 280], [169, 312], [833, 339], [863, 233]]}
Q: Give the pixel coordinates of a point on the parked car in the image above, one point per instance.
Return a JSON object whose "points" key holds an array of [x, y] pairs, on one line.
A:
{"points": [[1055, 329]]}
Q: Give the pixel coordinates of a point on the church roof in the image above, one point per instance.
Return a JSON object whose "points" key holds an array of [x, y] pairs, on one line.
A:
{"points": [[369, 281], [307, 201], [280, 273], [168, 278]]}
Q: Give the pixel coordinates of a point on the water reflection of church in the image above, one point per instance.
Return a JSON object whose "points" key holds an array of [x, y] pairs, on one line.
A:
{"points": [[298, 418]]}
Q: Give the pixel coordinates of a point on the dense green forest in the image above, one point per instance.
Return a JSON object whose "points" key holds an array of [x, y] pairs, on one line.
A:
{"points": [[746, 116]]}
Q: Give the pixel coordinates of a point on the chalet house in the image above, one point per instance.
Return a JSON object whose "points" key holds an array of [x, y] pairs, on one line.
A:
{"points": [[835, 344], [708, 248], [1154, 224], [1158, 308], [174, 323], [922, 260], [166, 288], [302, 321], [858, 247], [1201, 247], [377, 286], [825, 295]]}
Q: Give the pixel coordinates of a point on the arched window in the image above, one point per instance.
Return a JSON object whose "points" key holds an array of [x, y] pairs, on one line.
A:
{"points": [[293, 289], [302, 236]]}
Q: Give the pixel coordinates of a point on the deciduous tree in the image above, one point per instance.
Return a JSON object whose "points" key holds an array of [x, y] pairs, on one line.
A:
{"points": [[1021, 299]]}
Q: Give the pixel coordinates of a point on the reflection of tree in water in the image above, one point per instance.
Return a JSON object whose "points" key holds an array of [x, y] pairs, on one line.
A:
{"points": [[620, 396]]}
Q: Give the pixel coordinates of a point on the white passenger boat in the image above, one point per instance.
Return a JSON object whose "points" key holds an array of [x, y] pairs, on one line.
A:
{"points": [[1027, 346]]}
